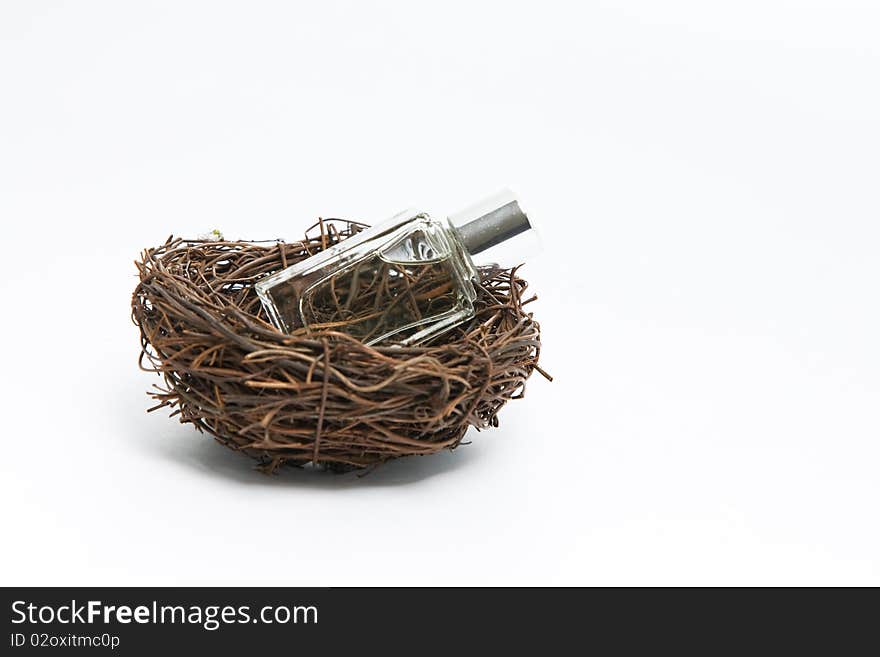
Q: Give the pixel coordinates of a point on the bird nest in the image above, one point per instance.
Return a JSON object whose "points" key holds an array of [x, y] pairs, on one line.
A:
{"points": [[324, 397]]}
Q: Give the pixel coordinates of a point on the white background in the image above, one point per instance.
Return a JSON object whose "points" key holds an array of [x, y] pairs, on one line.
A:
{"points": [[706, 176]]}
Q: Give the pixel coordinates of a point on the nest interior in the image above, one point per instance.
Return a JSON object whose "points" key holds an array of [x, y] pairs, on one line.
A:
{"points": [[321, 397]]}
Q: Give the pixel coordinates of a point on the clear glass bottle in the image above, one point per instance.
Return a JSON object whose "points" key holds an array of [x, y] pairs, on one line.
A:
{"points": [[405, 280]]}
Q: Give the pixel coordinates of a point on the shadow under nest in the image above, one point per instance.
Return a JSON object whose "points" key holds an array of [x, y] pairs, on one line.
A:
{"points": [[320, 398]]}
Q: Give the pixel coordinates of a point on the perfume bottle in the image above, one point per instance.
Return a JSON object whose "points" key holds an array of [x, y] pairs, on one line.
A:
{"points": [[405, 280]]}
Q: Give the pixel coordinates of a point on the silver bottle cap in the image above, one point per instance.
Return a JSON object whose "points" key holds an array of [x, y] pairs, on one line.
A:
{"points": [[496, 230]]}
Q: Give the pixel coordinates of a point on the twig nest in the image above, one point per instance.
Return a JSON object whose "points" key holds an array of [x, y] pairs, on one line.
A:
{"points": [[323, 398]]}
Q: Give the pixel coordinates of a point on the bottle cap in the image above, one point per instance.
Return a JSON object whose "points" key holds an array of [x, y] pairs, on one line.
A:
{"points": [[496, 231]]}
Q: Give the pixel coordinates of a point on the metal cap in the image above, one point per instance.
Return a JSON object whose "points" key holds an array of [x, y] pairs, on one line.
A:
{"points": [[496, 230]]}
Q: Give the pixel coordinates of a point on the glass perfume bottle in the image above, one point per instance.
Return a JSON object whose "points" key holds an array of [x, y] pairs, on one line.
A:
{"points": [[405, 280]]}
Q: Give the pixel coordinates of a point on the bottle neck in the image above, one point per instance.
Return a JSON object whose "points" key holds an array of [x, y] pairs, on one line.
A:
{"points": [[496, 231]]}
